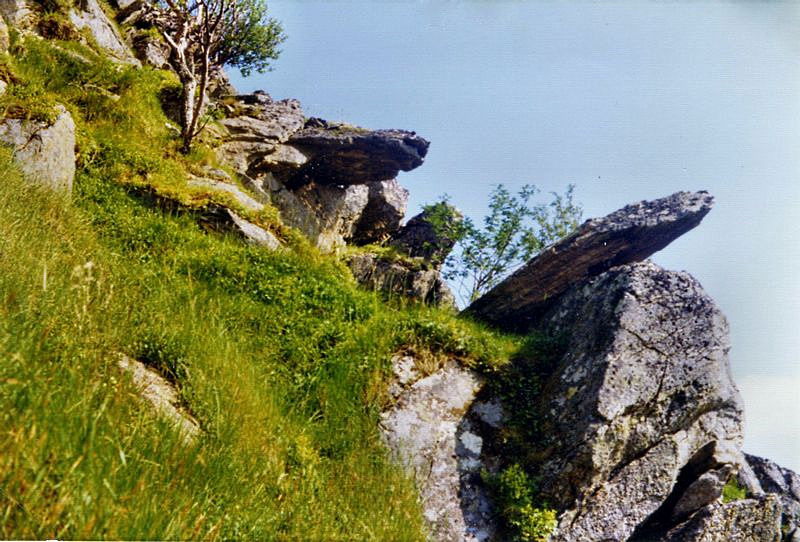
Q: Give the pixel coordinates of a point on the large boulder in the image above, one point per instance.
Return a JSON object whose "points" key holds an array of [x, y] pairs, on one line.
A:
{"points": [[642, 424], [784, 483], [44, 151], [628, 235]]}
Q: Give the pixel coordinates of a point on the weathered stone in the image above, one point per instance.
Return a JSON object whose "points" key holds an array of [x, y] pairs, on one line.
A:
{"points": [[749, 520], [238, 195], [223, 219], [92, 17], [385, 209], [44, 152], [325, 214], [161, 395], [639, 406], [786, 485], [704, 490], [150, 50], [427, 432], [628, 235], [344, 155], [420, 239], [398, 280], [272, 122]]}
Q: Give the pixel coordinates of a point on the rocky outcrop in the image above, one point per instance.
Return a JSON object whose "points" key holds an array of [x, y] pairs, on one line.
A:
{"points": [[161, 395], [20, 14], [333, 182], [784, 483], [45, 152], [427, 432], [401, 279], [640, 407], [631, 234]]}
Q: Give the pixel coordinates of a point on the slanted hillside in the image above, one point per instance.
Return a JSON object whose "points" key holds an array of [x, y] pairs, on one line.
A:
{"points": [[246, 342]]}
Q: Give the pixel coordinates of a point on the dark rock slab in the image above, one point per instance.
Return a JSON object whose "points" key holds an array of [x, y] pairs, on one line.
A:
{"points": [[628, 235], [786, 485], [640, 420], [344, 154]]}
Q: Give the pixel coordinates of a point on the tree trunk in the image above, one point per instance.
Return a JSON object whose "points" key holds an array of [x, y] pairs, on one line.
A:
{"points": [[188, 112]]}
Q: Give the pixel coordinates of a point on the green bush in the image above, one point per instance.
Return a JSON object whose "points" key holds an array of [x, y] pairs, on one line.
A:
{"points": [[515, 497], [732, 491]]}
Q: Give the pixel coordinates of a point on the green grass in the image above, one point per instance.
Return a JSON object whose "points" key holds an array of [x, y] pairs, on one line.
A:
{"points": [[280, 356]]}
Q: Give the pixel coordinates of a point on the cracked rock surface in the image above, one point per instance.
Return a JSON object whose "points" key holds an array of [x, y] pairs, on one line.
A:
{"points": [[428, 432], [44, 152], [628, 235], [784, 483], [640, 406], [332, 181]]}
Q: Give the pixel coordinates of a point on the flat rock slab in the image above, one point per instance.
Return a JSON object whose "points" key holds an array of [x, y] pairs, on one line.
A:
{"points": [[628, 235], [344, 154]]}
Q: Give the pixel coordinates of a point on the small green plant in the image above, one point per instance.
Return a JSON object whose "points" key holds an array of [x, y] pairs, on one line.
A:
{"points": [[512, 232], [515, 496], [733, 491]]}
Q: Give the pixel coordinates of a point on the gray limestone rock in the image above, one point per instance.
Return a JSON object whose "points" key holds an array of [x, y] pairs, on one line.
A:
{"points": [[385, 209], [255, 235], [427, 432], [628, 235], [786, 485], [161, 395], [396, 279], [748, 520], [92, 17], [44, 152], [640, 405], [238, 195]]}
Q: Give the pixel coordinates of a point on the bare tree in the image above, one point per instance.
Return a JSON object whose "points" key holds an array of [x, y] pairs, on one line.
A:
{"points": [[206, 34]]}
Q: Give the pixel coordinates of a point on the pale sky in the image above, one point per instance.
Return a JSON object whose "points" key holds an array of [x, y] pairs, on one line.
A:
{"points": [[628, 100]]}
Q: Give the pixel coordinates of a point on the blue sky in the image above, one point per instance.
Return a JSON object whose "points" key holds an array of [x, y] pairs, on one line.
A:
{"points": [[628, 100]]}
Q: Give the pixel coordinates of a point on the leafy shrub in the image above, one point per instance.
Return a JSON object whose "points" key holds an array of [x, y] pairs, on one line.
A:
{"points": [[732, 491], [515, 496]]}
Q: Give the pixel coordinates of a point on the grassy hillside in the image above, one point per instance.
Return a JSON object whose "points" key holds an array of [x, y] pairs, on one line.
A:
{"points": [[279, 355]]}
